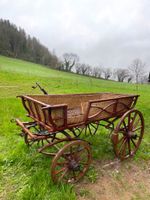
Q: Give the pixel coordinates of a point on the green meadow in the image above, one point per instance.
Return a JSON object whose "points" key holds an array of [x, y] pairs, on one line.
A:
{"points": [[24, 173]]}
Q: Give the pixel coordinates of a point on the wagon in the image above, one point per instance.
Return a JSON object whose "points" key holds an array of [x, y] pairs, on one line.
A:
{"points": [[57, 122]]}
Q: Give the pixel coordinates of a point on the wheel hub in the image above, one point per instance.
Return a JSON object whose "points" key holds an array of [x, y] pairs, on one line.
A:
{"points": [[132, 135], [74, 165]]}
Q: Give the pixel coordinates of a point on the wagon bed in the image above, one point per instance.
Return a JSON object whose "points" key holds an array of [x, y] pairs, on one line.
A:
{"points": [[78, 114], [57, 112]]}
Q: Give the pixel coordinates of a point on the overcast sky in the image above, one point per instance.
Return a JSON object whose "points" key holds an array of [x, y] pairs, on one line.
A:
{"points": [[110, 33]]}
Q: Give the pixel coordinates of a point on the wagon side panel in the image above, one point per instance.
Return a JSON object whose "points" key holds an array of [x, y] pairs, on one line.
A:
{"points": [[105, 109]]}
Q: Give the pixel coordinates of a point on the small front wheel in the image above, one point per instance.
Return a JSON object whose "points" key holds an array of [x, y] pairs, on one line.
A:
{"points": [[71, 162], [128, 134]]}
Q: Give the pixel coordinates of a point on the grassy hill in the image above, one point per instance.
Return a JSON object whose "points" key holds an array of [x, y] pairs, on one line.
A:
{"points": [[24, 174]]}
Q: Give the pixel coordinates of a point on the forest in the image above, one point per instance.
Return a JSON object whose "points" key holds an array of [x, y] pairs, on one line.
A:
{"points": [[14, 42]]}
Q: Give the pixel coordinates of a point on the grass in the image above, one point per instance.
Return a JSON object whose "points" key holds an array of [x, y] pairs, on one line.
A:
{"points": [[24, 174]]}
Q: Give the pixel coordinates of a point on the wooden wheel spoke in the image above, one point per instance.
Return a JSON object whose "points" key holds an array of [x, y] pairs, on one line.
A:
{"points": [[129, 120], [80, 158], [56, 146], [122, 138], [122, 145], [122, 141], [62, 163], [129, 147], [67, 156], [76, 152], [133, 143], [80, 155], [136, 129], [80, 171], [71, 152], [74, 175], [122, 130], [125, 126], [63, 174], [133, 119], [61, 170], [80, 150], [124, 149], [83, 163], [136, 123]]}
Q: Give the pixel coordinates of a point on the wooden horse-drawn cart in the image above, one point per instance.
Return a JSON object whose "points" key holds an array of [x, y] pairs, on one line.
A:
{"points": [[57, 121]]}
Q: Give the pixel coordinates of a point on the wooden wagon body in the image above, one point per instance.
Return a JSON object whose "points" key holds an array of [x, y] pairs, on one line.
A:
{"points": [[74, 114]]}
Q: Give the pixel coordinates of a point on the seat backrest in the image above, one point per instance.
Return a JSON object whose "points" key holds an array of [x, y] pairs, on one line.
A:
{"points": [[34, 108], [50, 117]]}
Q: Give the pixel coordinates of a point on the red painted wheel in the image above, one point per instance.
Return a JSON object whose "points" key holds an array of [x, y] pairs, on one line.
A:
{"points": [[128, 134], [71, 162]]}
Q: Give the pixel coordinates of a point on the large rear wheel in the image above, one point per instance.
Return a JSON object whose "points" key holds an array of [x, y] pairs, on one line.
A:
{"points": [[128, 134]]}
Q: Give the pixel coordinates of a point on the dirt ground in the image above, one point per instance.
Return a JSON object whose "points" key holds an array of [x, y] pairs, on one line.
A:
{"points": [[128, 180]]}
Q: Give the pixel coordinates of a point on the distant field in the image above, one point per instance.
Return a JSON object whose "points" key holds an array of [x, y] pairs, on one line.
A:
{"points": [[24, 174]]}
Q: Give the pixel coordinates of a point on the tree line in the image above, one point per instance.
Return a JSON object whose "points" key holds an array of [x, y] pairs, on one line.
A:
{"points": [[135, 72], [14, 42]]}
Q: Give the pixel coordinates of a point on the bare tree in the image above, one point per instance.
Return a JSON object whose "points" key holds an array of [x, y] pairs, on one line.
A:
{"points": [[149, 78], [143, 79], [60, 65], [97, 72], [84, 69], [89, 70], [121, 74], [69, 60], [78, 68], [137, 69], [129, 79], [107, 73]]}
